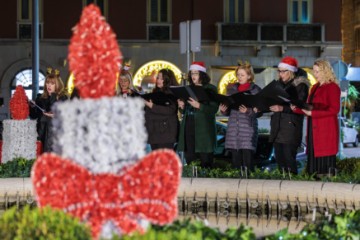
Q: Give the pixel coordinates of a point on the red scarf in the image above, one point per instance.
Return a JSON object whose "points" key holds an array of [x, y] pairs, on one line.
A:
{"points": [[244, 87]]}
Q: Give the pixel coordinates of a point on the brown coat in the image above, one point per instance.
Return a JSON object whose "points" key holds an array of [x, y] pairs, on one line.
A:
{"points": [[162, 123]]}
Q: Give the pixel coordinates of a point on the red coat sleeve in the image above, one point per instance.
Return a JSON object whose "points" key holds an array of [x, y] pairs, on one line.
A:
{"points": [[328, 103]]}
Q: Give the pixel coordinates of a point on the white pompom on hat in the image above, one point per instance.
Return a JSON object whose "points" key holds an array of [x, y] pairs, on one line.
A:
{"points": [[289, 63], [200, 66]]}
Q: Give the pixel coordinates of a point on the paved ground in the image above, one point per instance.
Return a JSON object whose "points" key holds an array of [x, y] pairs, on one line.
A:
{"points": [[351, 151]]}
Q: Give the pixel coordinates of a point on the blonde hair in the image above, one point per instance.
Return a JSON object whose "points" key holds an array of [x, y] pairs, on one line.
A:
{"points": [[248, 69], [326, 71], [126, 77]]}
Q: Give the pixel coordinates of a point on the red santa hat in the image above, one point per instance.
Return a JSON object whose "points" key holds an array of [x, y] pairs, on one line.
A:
{"points": [[200, 66], [289, 63]]}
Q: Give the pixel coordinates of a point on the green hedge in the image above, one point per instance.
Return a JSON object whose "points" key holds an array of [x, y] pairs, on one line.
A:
{"points": [[18, 167], [44, 223], [349, 171]]}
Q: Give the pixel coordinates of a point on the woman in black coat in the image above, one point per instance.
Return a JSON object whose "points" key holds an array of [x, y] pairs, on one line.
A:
{"points": [[287, 126], [161, 120], [41, 110]]}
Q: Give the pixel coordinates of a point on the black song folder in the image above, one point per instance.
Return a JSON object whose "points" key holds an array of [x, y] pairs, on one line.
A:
{"points": [[233, 101], [197, 93], [159, 98]]}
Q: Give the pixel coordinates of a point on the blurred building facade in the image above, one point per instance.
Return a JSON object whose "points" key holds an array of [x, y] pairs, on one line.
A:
{"points": [[258, 31], [350, 24]]}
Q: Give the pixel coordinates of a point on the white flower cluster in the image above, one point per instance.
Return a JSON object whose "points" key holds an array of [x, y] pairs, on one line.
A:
{"points": [[19, 139], [103, 135]]}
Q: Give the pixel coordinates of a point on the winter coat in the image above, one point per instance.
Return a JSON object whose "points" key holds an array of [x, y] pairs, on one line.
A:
{"points": [[44, 126], [162, 123], [287, 126], [324, 115], [242, 128], [205, 125]]}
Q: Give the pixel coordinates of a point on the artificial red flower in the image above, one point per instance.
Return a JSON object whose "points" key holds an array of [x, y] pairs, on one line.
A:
{"points": [[94, 55], [19, 106], [144, 191]]}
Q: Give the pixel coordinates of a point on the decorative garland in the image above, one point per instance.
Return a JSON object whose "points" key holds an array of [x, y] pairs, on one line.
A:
{"points": [[142, 192], [100, 173], [19, 135], [19, 107], [19, 139], [103, 135], [94, 55]]}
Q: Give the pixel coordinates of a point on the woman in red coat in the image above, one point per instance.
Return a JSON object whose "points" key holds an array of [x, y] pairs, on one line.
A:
{"points": [[323, 123]]}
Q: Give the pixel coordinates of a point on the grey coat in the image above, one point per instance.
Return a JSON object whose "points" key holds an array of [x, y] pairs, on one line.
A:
{"points": [[242, 131]]}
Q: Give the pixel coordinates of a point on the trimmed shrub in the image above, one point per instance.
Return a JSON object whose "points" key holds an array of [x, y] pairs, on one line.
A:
{"points": [[44, 223], [184, 230], [18, 167]]}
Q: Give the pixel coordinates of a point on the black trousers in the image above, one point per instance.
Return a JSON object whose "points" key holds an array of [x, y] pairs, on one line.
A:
{"points": [[190, 154], [285, 155], [162, 145], [242, 158]]}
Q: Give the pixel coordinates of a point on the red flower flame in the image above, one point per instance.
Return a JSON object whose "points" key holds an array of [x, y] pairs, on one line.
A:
{"points": [[94, 55], [19, 106]]}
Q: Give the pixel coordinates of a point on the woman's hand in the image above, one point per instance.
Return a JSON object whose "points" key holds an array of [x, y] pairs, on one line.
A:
{"points": [[293, 107], [181, 104], [32, 103], [49, 114], [223, 108], [149, 103], [276, 108], [194, 103], [255, 110], [307, 112], [242, 109]]}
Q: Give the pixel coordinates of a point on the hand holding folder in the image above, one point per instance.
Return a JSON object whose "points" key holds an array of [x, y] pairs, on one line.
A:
{"points": [[159, 98], [271, 94], [197, 93], [233, 101], [33, 103]]}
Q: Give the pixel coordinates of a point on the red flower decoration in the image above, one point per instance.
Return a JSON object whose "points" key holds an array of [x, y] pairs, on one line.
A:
{"points": [[19, 106], [94, 55], [145, 191]]}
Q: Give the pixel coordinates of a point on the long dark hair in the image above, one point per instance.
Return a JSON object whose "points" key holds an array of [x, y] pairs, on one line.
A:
{"points": [[169, 80], [203, 77]]}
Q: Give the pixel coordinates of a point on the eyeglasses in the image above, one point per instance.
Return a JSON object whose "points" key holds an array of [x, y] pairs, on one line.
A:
{"points": [[282, 71]]}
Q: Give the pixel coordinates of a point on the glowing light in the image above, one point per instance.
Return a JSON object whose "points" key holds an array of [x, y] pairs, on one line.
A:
{"points": [[228, 78], [310, 76], [149, 68], [70, 84]]}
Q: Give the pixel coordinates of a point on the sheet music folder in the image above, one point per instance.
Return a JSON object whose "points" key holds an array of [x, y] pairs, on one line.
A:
{"points": [[271, 94], [159, 98], [233, 101], [197, 93]]}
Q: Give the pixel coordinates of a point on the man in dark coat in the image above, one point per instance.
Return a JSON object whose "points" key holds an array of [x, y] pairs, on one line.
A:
{"points": [[287, 126]]}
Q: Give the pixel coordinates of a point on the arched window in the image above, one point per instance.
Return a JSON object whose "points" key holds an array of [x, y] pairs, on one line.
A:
{"points": [[24, 78]]}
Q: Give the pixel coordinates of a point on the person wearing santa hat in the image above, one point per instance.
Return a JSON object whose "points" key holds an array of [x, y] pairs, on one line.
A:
{"points": [[287, 126], [197, 135]]}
